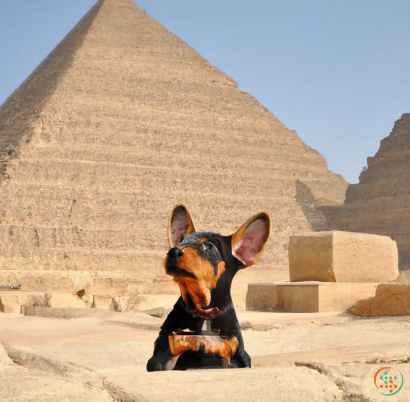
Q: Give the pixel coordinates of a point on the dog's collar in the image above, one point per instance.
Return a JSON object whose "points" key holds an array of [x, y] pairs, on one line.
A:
{"points": [[207, 316]]}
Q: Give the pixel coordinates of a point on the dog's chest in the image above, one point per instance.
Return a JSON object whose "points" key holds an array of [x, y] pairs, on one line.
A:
{"points": [[223, 345]]}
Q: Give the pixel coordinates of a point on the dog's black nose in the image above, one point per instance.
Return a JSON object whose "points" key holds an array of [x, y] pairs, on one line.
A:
{"points": [[175, 252]]}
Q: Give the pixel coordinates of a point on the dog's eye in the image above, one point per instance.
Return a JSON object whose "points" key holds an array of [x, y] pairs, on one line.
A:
{"points": [[206, 246]]}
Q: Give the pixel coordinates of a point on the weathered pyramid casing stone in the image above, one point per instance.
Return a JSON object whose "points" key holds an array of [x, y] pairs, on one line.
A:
{"points": [[391, 299], [342, 257], [15, 301], [122, 121], [307, 297], [74, 282]]}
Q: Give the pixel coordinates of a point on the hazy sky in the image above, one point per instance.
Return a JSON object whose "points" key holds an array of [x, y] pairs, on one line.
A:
{"points": [[336, 71]]}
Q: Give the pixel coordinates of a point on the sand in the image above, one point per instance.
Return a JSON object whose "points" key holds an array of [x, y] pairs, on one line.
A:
{"points": [[295, 357]]}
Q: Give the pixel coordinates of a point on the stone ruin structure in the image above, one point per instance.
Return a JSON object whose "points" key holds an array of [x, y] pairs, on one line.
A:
{"points": [[329, 271], [380, 203], [119, 123]]}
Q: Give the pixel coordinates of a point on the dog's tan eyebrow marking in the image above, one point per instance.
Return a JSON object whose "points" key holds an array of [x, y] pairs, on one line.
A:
{"points": [[202, 239]]}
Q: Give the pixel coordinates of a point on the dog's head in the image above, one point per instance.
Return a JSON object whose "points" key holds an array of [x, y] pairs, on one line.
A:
{"points": [[203, 264]]}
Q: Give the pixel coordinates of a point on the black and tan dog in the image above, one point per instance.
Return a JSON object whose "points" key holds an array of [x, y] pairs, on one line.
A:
{"points": [[203, 264]]}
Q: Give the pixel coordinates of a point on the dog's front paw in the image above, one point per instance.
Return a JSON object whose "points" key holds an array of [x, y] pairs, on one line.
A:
{"points": [[155, 365], [160, 364]]}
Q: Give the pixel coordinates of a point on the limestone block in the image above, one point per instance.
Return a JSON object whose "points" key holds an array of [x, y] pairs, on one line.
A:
{"points": [[251, 275], [50, 281], [60, 313], [82, 284], [306, 297], [119, 304], [11, 278], [158, 312], [110, 286], [342, 257], [147, 302], [124, 303], [135, 303], [13, 301], [56, 300], [46, 281], [103, 302], [110, 292], [37, 300], [391, 299]]}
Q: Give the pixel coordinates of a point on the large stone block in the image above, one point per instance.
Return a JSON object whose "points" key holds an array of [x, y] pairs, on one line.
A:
{"points": [[134, 302], [147, 302], [342, 257], [13, 301], [306, 297], [103, 302], [73, 282], [37, 300], [65, 301], [110, 286], [16, 301], [391, 299], [60, 313]]}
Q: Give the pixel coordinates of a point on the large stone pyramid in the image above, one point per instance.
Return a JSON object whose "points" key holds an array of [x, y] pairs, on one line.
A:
{"points": [[380, 203], [119, 123]]}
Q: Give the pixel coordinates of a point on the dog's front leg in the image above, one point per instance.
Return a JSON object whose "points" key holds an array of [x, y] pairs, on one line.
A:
{"points": [[225, 363], [241, 357], [171, 363], [162, 358]]}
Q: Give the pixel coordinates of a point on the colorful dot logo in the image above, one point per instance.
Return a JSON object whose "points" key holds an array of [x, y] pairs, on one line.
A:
{"points": [[388, 381]]}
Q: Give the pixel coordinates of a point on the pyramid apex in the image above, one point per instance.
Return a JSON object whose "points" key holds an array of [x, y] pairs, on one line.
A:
{"points": [[125, 2], [119, 3]]}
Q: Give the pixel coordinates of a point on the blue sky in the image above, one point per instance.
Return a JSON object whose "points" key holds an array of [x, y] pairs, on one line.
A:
{"points": [[337, 72]]}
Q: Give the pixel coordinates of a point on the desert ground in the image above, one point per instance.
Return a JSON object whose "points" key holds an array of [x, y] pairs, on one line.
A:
{"points": [[94, 355]]}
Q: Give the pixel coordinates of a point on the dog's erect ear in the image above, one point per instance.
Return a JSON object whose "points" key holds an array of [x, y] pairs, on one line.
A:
{"points": [[180, 225], [248, 242]]}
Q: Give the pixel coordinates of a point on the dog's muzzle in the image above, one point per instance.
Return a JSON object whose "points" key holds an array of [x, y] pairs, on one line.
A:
{"points": [[172, 260]]}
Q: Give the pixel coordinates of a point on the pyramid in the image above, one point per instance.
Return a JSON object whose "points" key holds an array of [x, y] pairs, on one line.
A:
{"points": [[119, 123], [379, 203]]}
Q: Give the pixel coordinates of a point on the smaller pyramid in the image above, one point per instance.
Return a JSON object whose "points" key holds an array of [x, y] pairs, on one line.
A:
{"points": [[380, 202]]}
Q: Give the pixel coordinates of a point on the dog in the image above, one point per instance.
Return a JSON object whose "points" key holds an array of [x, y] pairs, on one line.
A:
{"points": [[203, 264]]}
